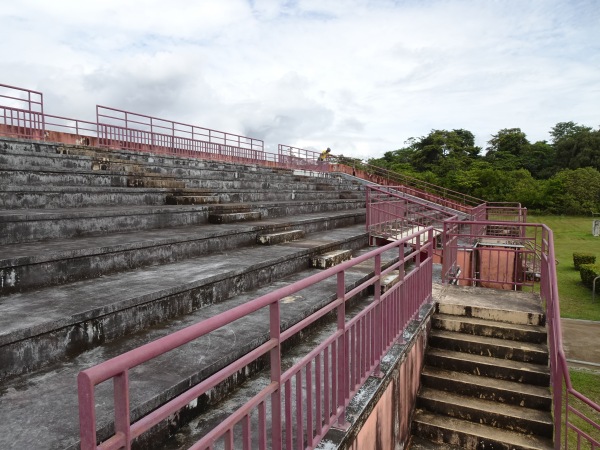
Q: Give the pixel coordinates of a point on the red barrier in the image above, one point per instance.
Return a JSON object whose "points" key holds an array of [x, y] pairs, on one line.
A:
{"points": [[324, 380]]}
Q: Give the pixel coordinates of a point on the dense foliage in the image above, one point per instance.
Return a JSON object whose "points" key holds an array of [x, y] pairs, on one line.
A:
{"points": [[560, 177]]}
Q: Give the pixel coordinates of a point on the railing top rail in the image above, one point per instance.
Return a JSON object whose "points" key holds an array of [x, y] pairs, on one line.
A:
{"points": [[28, 96], [386, 190], [172, 122], [20, 88], [395, 175]]}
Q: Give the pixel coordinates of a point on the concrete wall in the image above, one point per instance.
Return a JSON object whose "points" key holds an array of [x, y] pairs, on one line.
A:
{"points": [[381, 413]]}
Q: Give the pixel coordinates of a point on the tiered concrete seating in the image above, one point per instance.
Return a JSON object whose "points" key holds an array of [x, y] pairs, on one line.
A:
{"points": [[95, 262]]}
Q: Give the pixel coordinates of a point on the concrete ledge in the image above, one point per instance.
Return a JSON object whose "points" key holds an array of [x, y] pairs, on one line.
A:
{"points": [[234, 217], [330, 259], [278, 238], [191, 199]]}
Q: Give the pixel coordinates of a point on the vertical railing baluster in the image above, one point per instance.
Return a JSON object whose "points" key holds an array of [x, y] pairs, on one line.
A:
{"points": [[121, 399], [275, 357]]}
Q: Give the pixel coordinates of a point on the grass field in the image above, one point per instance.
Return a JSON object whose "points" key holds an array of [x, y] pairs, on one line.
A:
{"points": [[573, 234]]}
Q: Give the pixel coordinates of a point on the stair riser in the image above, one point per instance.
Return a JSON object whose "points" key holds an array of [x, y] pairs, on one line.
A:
{"points": [[114, 178], [460, 439], [488, 393], [493, 419], [516, 317], [489, 370], [18, 275], [106, 197], [533, 336], [18, 231], [53, 200], [495, 351], [21, 354]]}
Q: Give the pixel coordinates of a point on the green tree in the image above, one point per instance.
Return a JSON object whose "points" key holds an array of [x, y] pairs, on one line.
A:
{"points": [[576, 146], [506, 149], [539, 159], [574, 191]]}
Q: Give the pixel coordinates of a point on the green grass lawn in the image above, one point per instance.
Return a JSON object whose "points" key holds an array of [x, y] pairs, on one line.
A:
{"points": [[573, 234]]}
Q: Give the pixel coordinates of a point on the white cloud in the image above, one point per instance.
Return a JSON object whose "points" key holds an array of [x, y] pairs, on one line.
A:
{"points": [[360, 76]]}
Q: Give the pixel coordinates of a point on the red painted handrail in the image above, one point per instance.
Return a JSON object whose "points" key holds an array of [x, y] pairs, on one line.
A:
{"points": [[341, 362]]}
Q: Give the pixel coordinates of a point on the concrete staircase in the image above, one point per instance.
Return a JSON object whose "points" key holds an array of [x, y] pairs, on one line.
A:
{"points": [[485, 384], [103, 251]]}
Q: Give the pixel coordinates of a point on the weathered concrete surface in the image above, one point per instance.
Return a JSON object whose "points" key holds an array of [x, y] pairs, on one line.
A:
{"points": [[581, 342], [45, 325], [19, 226], [30, 404], [330, 259]]}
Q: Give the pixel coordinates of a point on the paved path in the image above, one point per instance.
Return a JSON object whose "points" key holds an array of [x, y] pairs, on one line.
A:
{"points": [[581, 341]]}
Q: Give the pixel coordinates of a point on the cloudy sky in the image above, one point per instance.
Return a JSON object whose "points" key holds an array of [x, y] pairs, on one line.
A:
{"points": [[359, 76]]}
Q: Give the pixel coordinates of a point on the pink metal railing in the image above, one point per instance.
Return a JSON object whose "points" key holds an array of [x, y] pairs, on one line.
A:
{"points": [[306, 399], [299, 158], [391, 213], [499, 255], [562, 388], [530, 250], [22, 112], [411, 185]]}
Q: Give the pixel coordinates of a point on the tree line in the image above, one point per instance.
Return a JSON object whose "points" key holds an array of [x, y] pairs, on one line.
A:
{"points": [[557, 177]]}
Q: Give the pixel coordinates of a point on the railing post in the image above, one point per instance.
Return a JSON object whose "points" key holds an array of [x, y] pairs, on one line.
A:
{"points": [[382, 322], [87, 412], [121, 399], [275, 355], [343, 381]]}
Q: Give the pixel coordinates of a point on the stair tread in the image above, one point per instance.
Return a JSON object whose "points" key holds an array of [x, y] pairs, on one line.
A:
{"points": [[473, 297], [496, 383], [527, 346], [492, 323], [418, 443], [489, 360], [511, 438], [488, 406]]}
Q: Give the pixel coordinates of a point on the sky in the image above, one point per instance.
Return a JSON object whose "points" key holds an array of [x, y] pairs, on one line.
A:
{"points": [[358, 76]]}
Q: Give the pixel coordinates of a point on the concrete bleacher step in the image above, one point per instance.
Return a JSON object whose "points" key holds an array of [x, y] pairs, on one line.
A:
{"points": [[52, 389], [191, 199], [86, 164], [232, 217], [40, 224], [486, 412], [73, 196], [502, 391], [280, 237], [468, 435], [33, 265], [330, 259], [50, 324]]}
